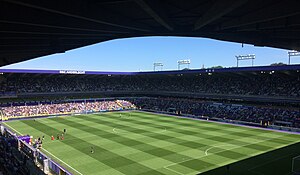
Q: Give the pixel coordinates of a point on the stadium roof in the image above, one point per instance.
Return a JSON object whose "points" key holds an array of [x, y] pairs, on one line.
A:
{"points": [[35, 28]]}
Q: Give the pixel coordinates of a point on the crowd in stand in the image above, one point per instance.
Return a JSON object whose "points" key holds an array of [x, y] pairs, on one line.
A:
{"points": [[256, 114], [264, 84], [125, 104], [249, 113], [12, 161], [64, 108]]}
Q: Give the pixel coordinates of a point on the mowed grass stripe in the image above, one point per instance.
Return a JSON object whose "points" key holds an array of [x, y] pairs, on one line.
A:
{"points": [[191, 128], [139, 145], [186, 132], [242, 155], [193, 144], [250, 131], [145, 146], [113, 148], [239, 155], [193, 125], [259, 147], [160, 153], [188, 144], [78, 159], [224, 156], [213, 125], [84, 146], [146, 129]]}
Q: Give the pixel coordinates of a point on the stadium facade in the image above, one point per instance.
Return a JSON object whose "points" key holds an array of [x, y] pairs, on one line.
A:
{"points": [[262, 85]]}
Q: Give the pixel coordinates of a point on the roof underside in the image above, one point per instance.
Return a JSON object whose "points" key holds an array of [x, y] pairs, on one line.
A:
{"points": [[35, 28]]}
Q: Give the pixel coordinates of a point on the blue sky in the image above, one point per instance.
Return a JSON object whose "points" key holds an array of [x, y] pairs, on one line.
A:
{"points": [[139, 54]]}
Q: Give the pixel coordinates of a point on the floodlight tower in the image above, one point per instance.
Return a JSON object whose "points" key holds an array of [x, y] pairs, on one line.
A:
{"points": [[158, 65], [293, 53], [183, 62], [244, 57]]}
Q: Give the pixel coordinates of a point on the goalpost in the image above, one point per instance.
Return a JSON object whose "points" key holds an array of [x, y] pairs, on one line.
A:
{"points": [[296, 165]]}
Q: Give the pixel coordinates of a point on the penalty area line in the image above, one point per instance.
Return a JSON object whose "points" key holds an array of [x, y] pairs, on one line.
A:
{"points": [[217, 146], [234, 147]]}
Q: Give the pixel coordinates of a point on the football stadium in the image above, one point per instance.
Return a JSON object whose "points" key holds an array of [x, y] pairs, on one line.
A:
{"points": [[166, 122], [209, 121]]}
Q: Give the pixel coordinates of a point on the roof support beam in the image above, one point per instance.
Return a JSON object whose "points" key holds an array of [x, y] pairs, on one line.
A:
{"points": [[219, 9], [60, 27], [274, 11], [56, 33], [36, 19], [282, 24], [155, 11], [113, 2], [80, 14]]}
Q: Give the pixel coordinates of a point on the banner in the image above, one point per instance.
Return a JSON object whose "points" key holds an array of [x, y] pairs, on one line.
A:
{"points": [[46, 166], [2, 129], [25, 138]]}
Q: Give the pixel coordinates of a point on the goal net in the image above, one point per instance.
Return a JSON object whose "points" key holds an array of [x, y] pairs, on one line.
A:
{"points": [[296, 165]]}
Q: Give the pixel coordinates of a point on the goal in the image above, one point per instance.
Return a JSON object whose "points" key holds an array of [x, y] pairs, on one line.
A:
{"points": [[296, 165]]}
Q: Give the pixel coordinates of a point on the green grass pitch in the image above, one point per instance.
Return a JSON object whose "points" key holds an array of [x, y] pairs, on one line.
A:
{"points": [[149, 144]]}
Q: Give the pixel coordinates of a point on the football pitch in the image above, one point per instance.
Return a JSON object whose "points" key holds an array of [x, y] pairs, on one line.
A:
{"points": [[146, 143]]}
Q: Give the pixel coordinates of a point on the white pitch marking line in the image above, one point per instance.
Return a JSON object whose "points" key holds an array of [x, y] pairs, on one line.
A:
{"points": [[62, 161], [13, 129], [174, 170], [47, 151], [219, 152], [217, 146]]}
